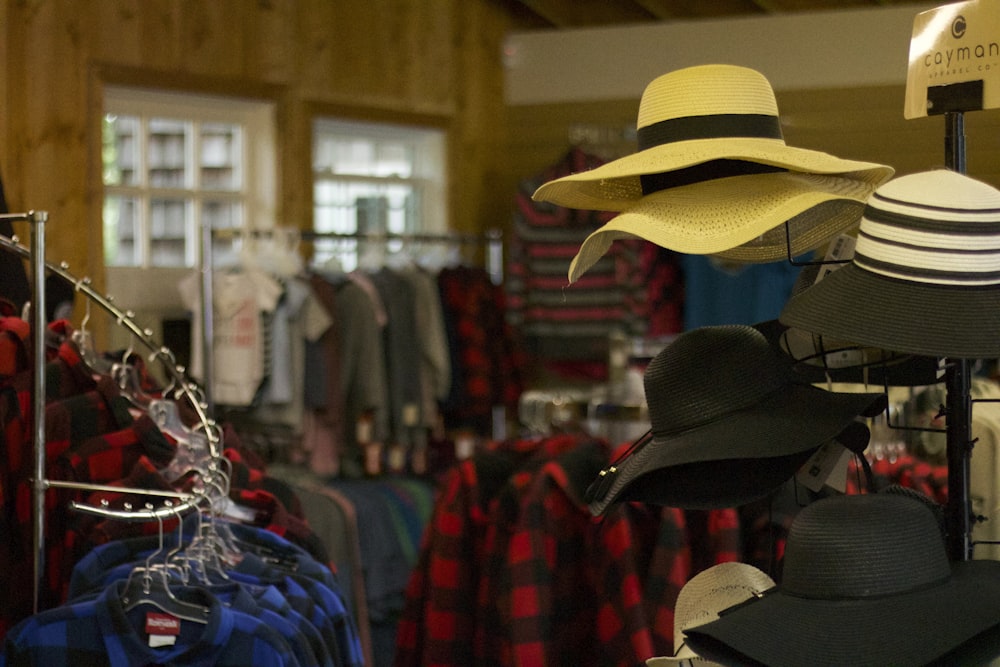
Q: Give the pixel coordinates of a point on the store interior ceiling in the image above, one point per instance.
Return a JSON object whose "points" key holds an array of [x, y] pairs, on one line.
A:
{"points": [[572, 14]]}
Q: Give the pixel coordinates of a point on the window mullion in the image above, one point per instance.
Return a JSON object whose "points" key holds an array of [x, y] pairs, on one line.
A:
{"points": [[195, 203], [144, 201]]}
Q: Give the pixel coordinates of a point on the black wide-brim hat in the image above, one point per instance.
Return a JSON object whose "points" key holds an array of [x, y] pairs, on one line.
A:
{"points": [[866, 581], [925, 277], [730, 423]]}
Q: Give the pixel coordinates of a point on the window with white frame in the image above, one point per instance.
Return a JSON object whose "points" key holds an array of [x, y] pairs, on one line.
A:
{"points": [[373, 180], [178, 164]]}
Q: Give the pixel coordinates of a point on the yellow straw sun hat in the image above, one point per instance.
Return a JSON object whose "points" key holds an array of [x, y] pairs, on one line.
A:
{"points": [[713, 175]]}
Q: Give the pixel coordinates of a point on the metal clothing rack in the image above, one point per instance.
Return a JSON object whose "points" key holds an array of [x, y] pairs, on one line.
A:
{"points": [[175, 503], [491, 240]]}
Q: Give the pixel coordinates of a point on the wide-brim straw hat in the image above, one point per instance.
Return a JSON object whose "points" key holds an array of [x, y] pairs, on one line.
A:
{"points": [[730, 423], [754, 218], [703, 597], [925, 276], [866, 580], [696, 115]]}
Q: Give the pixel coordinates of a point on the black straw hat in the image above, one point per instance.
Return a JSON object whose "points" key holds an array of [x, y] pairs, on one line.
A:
{"points": [[822, 358], [730, 423], [925, 278], [866, 581]]}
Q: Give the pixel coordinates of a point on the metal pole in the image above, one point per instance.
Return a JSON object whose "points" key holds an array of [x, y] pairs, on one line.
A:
{"points": [[958, 388], [207, 316], [39, 484]]}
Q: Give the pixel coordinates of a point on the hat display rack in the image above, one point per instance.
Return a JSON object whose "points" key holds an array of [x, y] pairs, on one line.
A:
{"points": [[713, 176], [957, 380], [171, 503], [952, 101], [958, 393]]}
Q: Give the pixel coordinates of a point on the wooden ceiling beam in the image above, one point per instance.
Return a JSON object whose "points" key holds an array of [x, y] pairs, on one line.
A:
{"points": [[583, 13], [685, 9], [783, 6], [566, 14], [768, 6]]}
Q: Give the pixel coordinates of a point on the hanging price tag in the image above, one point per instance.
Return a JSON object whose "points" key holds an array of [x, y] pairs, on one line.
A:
{"points": [[827, 467]]}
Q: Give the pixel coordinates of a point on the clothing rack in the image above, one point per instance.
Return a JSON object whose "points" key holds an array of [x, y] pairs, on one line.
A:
{"points": [[175, 503], [491, 240]]}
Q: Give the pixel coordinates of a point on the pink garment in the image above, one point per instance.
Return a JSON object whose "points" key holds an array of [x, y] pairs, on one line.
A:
{"points": [[321, 444]]}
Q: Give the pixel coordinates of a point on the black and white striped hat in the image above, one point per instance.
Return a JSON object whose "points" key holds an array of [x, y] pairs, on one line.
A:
{"points": [[925, 277]]}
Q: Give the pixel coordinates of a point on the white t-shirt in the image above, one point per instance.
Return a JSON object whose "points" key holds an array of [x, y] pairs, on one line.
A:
{"points": [[240, 297]]}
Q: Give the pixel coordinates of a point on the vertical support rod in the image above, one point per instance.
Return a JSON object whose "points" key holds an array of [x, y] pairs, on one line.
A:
{"points": [[208, 315], [958, 383], [958, 419], [954, 141], [494, 255], [37, 221]]}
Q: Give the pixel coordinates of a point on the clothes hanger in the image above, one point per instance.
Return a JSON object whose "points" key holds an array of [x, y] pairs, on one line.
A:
{"points": [[201, 556], [84, 342], [278, 252], [149, 585], [128, 376], [194, 452]]}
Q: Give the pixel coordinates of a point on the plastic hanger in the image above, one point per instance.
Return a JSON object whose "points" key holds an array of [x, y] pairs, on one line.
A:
{"points": [[84, 343], [213, 548], [149, 585], [193, 453], [127, 374]]}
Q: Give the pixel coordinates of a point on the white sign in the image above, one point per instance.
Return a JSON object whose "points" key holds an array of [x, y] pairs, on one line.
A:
{"points": [[954, 62]]}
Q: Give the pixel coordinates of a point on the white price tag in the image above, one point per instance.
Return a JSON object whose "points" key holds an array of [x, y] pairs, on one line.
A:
{"points": [[827, 467]]}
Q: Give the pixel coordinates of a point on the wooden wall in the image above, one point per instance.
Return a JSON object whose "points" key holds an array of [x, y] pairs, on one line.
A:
{"points": [[437, 62], [864, 123], [424, 61]]}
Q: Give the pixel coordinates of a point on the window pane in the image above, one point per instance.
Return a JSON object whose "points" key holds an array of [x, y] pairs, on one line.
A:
{"points": [[344, 154], [223, 215], [401, 214], [168, 232], [121, 232], [221, 156], [120, 153], [334, 207], [393, 159], [168, 149], [373, 179]]}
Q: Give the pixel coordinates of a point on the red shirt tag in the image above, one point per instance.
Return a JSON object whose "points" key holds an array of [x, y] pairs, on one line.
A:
{"points": [[162, 624]]}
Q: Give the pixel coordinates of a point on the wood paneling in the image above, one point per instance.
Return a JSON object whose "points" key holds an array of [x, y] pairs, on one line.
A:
{"points": [[572, 14], [391, 59], [427, 61], [859, 123]]}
